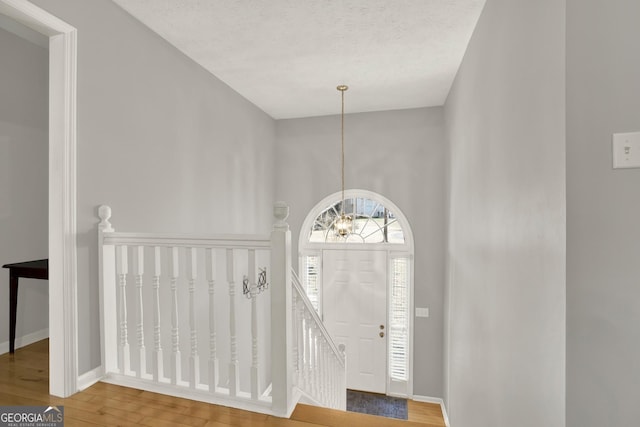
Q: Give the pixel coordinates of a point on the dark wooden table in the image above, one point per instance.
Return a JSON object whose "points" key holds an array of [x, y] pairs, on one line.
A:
{"points": [[29, 270]]}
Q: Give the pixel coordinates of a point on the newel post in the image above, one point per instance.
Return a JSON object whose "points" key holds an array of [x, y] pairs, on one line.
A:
{"points": [[281, 329], [107, 278]]}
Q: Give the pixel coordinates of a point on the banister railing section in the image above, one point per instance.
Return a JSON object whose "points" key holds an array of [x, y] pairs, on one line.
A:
{"points": [[193, 316], [320, 366]]}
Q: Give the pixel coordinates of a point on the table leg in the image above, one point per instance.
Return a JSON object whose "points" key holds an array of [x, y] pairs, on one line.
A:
{"points": [[13, 304]]}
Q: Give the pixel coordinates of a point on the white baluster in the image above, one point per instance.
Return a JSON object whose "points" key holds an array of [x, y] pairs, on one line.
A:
{"points": [[253, 289], [320, 372], [329, 379], [138, 263], [122, 267], [303, 353], [327, 359], [307, 350], [342, 382], [194, 359], [314, 360], [176, 363], [337, 379], [332, 387], [234, 373], [300, 340], [336, 382], [158, 367], [210, 258], [296, 327]]}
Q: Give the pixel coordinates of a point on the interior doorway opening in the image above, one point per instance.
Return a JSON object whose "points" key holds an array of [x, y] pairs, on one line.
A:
{"points": [[24, 149], [63, 351], [362, 285]]}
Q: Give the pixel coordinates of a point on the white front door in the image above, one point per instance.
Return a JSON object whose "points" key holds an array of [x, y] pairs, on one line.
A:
{"points": [[354, 303]]}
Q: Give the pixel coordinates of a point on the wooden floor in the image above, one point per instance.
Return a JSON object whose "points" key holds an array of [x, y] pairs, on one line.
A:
{"points": [[24, 380]]}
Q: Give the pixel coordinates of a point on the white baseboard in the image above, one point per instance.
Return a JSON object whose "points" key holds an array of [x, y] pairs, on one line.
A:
{"points": [[25, 340], [202, 394], [306, 398], [88, 379], [438, 401]]}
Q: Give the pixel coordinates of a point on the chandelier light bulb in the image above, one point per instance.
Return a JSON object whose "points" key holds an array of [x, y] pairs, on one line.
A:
{"points": [[344, 225]]}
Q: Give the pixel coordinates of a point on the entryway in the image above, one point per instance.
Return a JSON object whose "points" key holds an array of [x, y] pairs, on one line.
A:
{"points": [[362, 286]]}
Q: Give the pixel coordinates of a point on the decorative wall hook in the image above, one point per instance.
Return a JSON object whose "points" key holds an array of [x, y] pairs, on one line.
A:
{"points": [[250, 290]]}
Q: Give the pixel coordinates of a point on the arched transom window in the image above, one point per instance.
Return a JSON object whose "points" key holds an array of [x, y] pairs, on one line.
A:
{"points": [[372, 223]]}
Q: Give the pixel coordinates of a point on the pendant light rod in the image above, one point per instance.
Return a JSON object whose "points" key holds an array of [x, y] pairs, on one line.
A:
{"points": [[342, 89], [344, 224]]}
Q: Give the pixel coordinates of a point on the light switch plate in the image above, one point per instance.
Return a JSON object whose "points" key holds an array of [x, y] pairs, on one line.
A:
{"points": [[422, 311], [626, 150]]}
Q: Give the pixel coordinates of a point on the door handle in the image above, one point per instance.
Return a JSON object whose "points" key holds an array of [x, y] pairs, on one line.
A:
{"points": [[381, 334], [381, 326]]}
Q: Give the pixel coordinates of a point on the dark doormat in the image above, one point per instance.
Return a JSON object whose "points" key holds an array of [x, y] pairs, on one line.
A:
{"points": [[376, 404]]}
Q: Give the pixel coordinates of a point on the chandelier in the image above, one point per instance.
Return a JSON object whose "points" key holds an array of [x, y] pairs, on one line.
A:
{"points": [[344, 223]]}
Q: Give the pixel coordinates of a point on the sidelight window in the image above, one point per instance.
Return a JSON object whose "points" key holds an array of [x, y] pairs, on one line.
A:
{"points": [[399, 277]]}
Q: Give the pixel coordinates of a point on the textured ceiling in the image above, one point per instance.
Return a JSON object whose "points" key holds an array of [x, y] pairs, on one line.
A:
{"points": [[287, 56]]}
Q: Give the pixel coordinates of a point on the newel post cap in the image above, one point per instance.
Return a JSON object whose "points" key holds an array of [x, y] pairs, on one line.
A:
{"points": [[104, 212], [281, 212]]}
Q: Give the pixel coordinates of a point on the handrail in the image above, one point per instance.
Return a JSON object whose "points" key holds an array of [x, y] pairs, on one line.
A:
{"points": [[316, 318], [188, 240]]}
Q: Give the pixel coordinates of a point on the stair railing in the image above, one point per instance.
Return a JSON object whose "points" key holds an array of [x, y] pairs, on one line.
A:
{"points": [[320, 365], [175, 320]]}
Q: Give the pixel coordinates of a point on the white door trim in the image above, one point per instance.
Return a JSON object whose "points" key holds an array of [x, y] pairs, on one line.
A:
{"points": [[63, 353]]}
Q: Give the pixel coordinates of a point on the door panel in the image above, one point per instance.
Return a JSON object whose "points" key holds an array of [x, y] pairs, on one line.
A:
{"points": [[354, 307]]}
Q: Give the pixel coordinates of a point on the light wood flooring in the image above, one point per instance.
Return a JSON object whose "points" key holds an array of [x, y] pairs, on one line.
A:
{"points": [[24, 380]]}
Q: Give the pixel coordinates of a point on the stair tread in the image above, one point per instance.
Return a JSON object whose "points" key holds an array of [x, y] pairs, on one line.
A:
{"points": [[336, 418]]}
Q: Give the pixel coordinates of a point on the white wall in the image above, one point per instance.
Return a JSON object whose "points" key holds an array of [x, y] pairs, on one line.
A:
{"points": [[400, 155], [603, 208], [165, 143], [23, 180], [506, 249]]}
